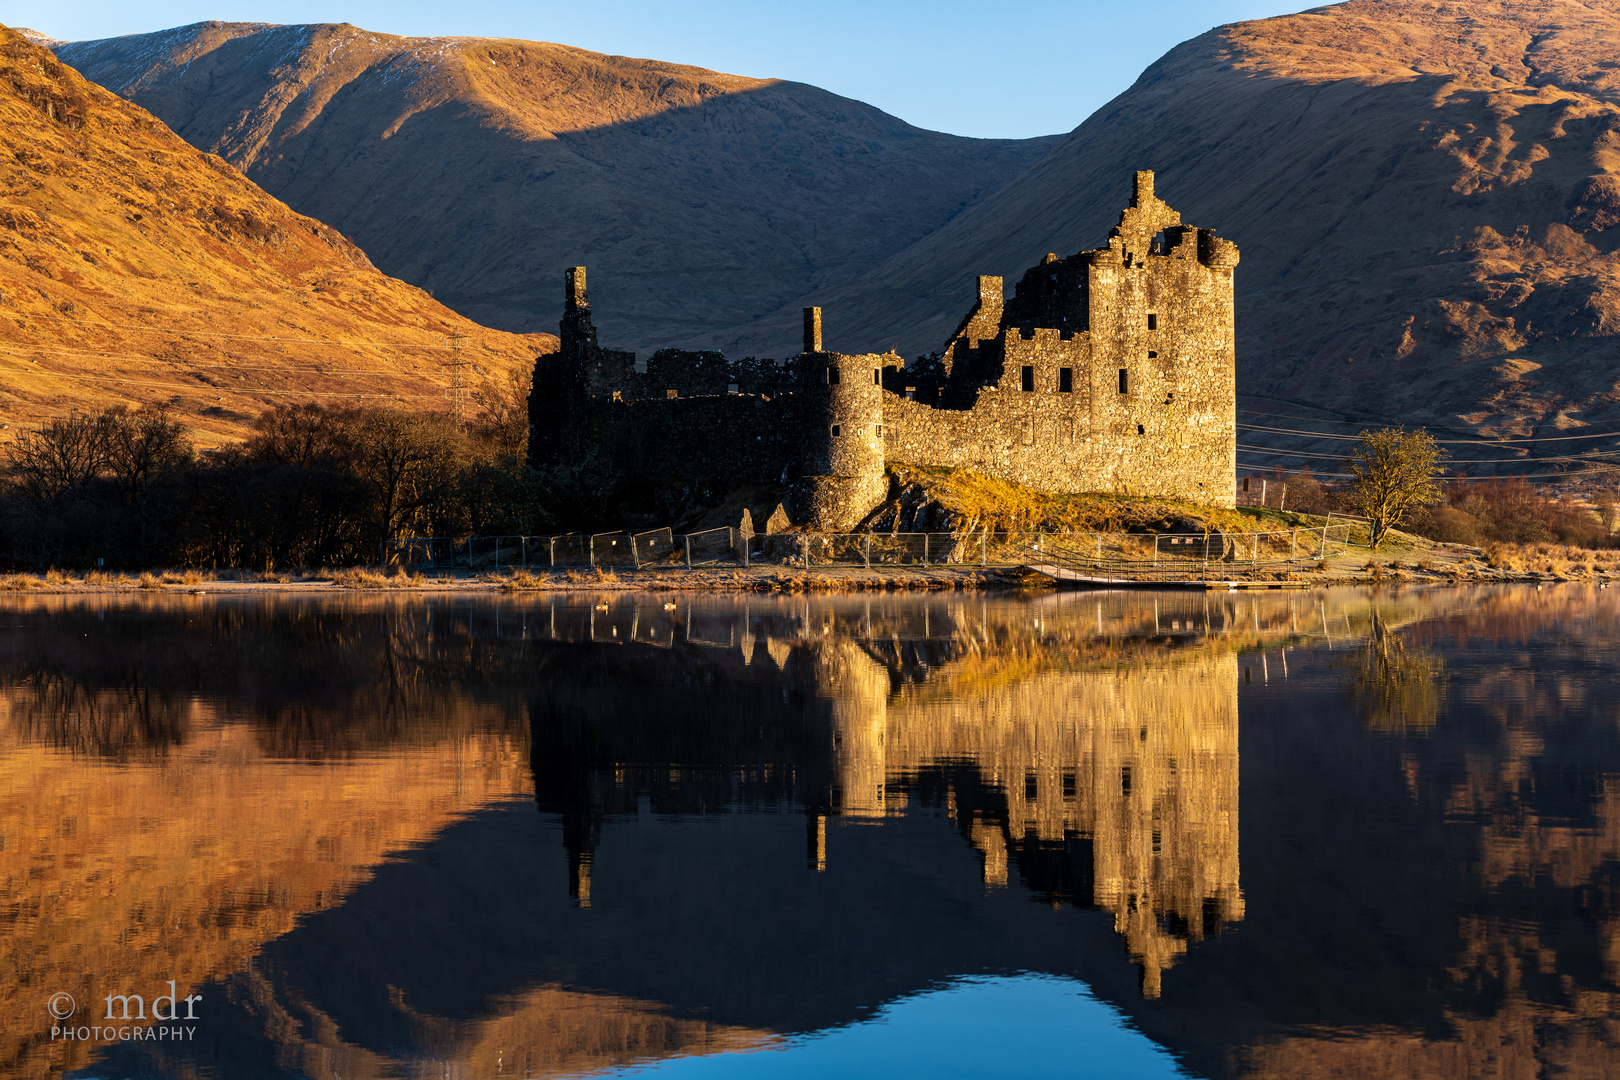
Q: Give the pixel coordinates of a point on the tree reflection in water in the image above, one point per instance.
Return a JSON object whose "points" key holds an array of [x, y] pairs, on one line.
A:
{"points": [[1396, 686]]}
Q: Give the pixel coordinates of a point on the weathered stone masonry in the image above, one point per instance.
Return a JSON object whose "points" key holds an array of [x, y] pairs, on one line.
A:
{"points": [[1112, 370]]}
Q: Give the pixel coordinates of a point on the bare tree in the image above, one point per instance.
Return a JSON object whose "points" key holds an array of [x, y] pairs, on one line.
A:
{"points": [[505, 404], [1392, 473], [1607, 510], [408, 460], [60, 459], [143, 448]]}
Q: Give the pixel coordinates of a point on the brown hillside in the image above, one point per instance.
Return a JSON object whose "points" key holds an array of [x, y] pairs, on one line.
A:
{"points": [[135, 269], [1424, 192], [481, 168]]}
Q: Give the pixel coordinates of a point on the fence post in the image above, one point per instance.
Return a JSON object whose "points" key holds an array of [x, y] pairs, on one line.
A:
{"points": [[551, 553], [746, 540], [804, 548], [635, 552], [867, 551], [1205, 551], [590, 550], [925, 549], [1293, 554], [1099, 548], [497, 565], [984, 547], [689, 551], [1324, 534]]}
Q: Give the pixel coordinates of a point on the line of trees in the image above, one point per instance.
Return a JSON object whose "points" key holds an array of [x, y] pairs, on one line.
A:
{"points": [[315, 485]]}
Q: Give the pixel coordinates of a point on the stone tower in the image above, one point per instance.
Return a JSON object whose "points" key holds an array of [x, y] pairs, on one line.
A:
{"points": [[841, 440]]}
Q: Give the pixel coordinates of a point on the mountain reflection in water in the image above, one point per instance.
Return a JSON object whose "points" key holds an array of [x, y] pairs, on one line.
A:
{"points": [[764, 818]]}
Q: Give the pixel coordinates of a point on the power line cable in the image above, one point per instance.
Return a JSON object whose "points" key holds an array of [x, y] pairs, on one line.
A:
{"points": [[1452, 442]]}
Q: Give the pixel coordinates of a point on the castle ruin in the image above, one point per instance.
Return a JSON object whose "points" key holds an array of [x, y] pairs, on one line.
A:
{"points": [[1112, 370]]}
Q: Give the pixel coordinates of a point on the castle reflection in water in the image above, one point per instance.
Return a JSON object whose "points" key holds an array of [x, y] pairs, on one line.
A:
{"points": [[328, 826], [1087, 778]]}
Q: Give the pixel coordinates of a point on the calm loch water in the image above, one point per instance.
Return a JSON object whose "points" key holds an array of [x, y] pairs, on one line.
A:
{"points": [[1331, 834]]}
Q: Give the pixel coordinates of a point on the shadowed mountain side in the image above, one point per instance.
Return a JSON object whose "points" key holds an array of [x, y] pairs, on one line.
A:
{"points": [[479, 168], [1421, 192], [135, 270]]}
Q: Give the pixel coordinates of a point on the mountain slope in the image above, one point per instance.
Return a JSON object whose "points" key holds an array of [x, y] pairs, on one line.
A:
{"points": [[135, 269], [1424, 192], [481, 168]]}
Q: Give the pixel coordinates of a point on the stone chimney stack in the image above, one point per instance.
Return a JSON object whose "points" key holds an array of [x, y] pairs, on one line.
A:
{"points": [[1143, 194], [812, 329]]}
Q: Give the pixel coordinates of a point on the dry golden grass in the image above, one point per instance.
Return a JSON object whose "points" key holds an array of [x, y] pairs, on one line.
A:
{"points": [[115, 225], [1555, 559], [366, 577], [520, 580]]}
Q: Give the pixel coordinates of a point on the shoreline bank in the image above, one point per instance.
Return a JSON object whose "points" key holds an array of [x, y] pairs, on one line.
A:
{"points": [[721, 580]]}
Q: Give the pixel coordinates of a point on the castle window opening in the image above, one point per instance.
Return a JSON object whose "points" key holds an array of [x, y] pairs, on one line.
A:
{"points": [[878, 430], [1028, 379], [1153, 321], [877, 376], [640, 366], [1031, 787], [672, 393], [836, 428], [731, 388], [1069, 785], [832, 376], [1152, 355], [1140, 430], [1124, 381], [1066, 380]]}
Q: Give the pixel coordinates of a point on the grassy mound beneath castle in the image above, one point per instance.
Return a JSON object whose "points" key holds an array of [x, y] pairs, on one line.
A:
{"points": [[925, 498]]}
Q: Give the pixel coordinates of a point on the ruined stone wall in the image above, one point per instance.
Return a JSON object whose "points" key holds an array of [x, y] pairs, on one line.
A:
{"points": [[1112, 370], [841, 460], [737, 438], [1037, 437]]}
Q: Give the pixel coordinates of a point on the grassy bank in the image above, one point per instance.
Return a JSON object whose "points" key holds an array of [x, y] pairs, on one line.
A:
{"points": [[1405, 558]]}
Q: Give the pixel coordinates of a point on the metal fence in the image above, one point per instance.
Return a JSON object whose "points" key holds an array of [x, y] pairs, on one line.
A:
{"points": [[1124, 553]]}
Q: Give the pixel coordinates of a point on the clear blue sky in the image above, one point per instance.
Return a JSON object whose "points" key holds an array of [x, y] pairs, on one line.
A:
{"points": [[1020, 68]]}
